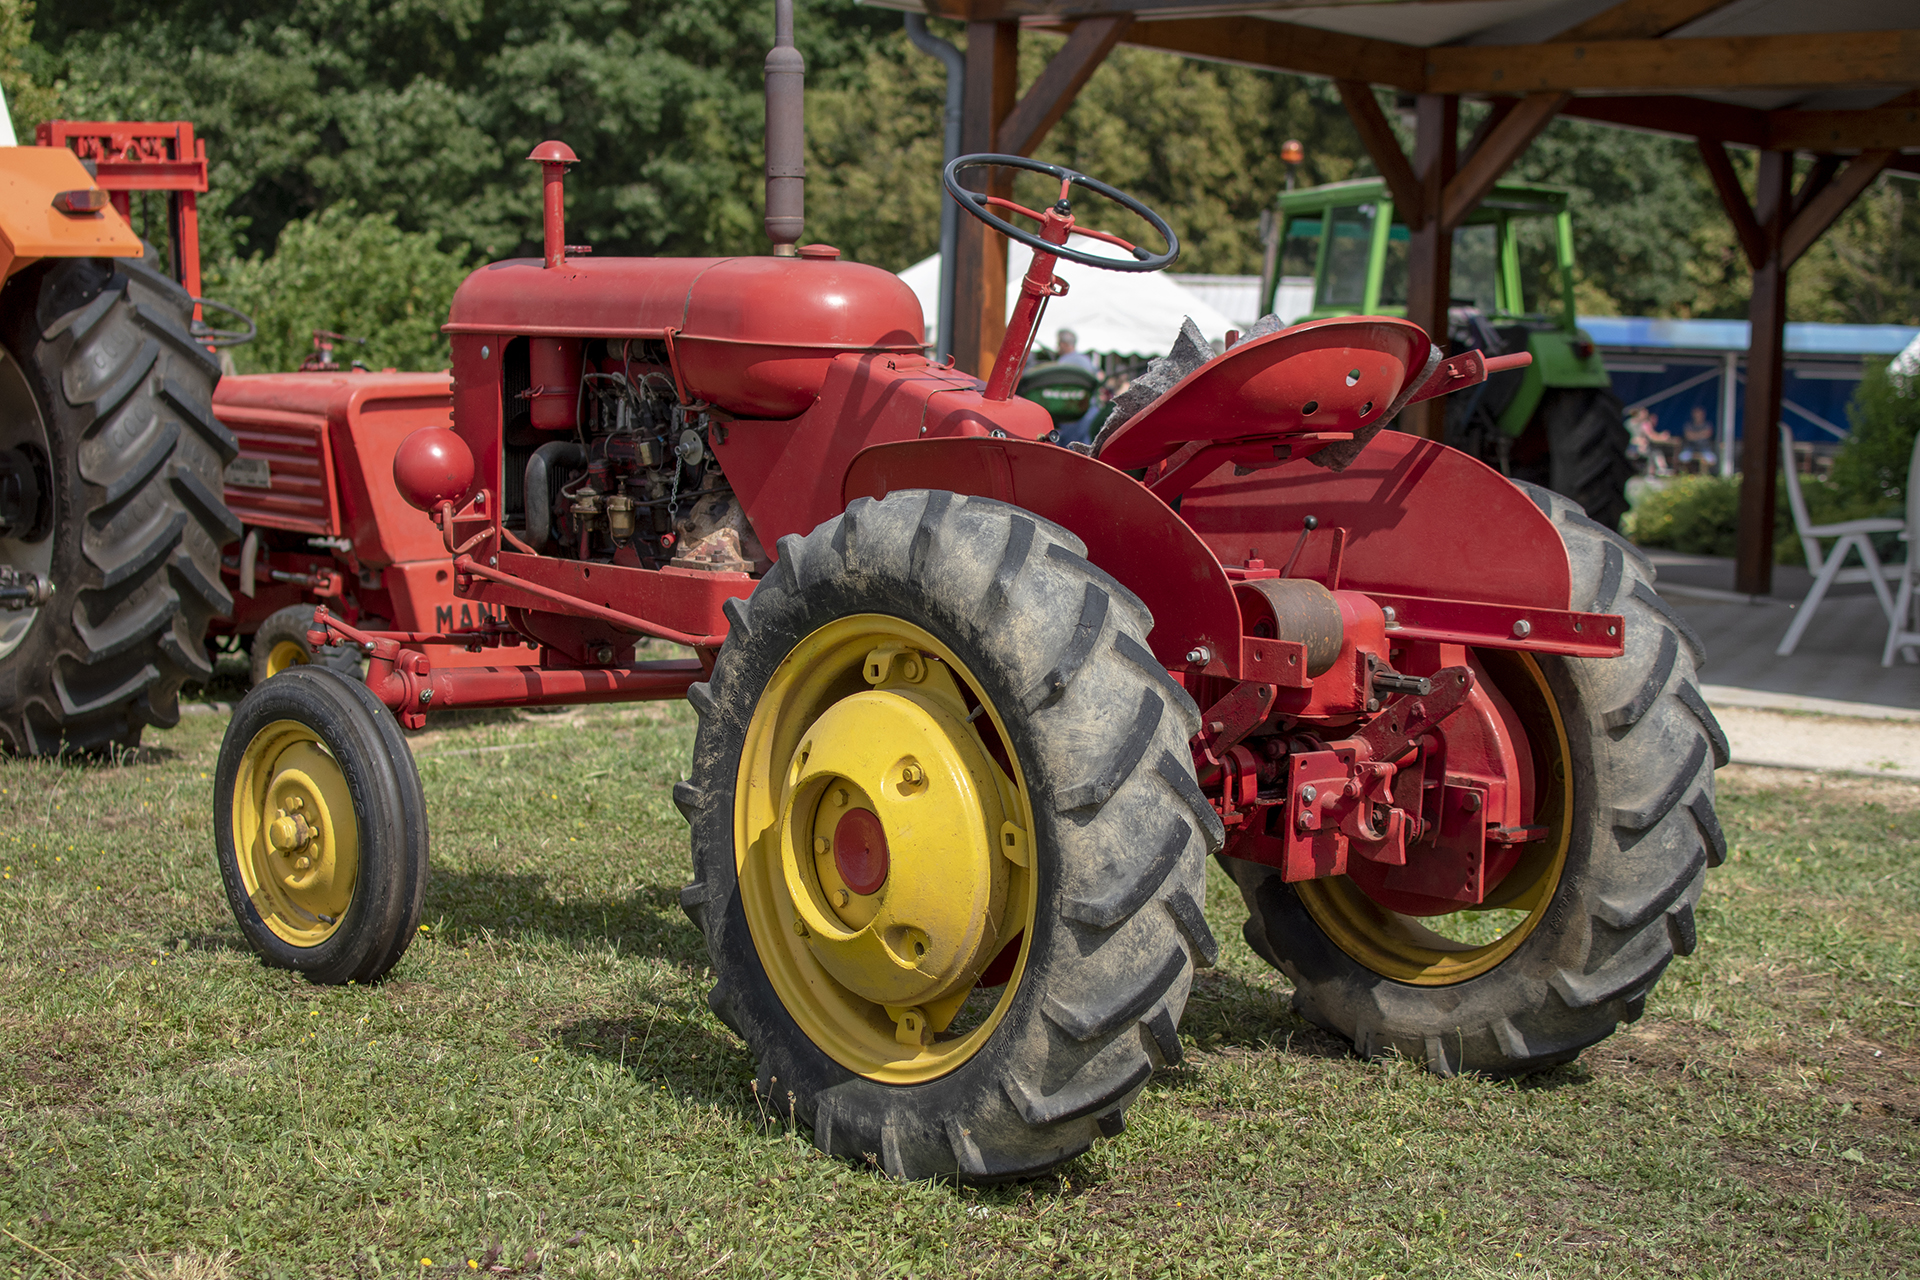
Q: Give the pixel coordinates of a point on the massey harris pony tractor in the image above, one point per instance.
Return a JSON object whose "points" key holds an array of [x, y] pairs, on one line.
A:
{"points": [[974, 709], [111, 521], [1555, 422]]}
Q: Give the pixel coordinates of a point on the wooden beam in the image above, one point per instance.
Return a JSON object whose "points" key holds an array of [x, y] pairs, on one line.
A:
{"points": [[1746, 227], [1874, 129], [1818, 176], [1496, 155], [1807, 60], [1766, 371], [980, 257], [1430, 246], [1059, 83], [1378, 136], [1641, 19], [1679, 116], [1284, 46], [1497, 112], [1829, 202]]}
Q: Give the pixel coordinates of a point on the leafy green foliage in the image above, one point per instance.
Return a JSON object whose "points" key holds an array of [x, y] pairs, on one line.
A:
{"points": [[348, 273], [1693, 514], [1885, 416]]}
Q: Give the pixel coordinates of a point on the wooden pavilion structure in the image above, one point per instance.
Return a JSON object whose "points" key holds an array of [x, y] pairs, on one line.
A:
{"points": [[1837, 79]]}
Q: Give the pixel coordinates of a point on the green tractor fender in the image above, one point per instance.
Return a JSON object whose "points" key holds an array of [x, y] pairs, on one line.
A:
{"points": [[1557, 363]]}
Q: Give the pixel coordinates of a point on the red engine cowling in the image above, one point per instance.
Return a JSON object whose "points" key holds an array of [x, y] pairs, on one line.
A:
{"points": [[751, 336]]}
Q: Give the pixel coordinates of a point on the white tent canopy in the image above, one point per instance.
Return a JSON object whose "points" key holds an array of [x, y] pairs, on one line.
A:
{"points": [[1130, 313]]}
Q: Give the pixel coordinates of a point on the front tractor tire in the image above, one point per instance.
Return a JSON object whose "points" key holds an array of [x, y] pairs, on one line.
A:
{"points": [[1578, 934], [320, 827], [281, 642], [104, 389], [948, 848]]}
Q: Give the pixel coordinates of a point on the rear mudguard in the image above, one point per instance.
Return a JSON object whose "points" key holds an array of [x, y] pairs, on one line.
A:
{"points": [[32, 228], [1460, 553]]}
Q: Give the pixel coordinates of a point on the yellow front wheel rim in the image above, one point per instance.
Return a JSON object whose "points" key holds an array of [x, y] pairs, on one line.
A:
{"points": [[295, 834], [284, 654], [1399, 947], [884, 846]]}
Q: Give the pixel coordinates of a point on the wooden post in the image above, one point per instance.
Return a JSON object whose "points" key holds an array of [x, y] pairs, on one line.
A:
{"points": [[980, 265], [1430, 250], [1766, 370]]}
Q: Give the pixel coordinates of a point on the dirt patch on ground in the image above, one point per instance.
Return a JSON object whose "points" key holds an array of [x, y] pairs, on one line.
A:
{"points": [[1830, 788]]}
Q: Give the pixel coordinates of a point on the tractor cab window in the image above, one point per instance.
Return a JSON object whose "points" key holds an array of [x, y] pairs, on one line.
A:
{"points": [[1476, 267], [1300, 249], [1536, 243], [1348, 247], [1393, 267]]}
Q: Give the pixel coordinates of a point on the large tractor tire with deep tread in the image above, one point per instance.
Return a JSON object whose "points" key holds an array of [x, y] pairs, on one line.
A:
{"points": [[101, 366], [1094, 735], [1585, 439], [1640, 750]]}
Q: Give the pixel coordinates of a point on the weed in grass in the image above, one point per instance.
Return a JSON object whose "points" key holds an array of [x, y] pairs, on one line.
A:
{"points": [[540, 1088]]}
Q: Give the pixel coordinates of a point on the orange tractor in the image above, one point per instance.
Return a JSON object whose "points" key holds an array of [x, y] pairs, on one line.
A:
{"points": [[975, 709]]}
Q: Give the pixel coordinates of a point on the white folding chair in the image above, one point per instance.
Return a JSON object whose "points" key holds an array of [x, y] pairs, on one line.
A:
{"points": [[1852, 535], [1903, 629]]}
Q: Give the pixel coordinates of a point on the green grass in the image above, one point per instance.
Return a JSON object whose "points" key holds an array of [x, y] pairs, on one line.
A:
{"points": [[539, 1086]]}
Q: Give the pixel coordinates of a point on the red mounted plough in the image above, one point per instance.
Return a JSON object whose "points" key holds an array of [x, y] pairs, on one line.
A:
{"points": [[975, 709]]}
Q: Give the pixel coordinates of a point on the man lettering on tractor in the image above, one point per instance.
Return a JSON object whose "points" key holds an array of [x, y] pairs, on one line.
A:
{"points": [[975, 709]]}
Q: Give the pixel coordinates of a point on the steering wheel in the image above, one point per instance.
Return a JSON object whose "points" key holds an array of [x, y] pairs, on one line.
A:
{"points": [[978, 205]]}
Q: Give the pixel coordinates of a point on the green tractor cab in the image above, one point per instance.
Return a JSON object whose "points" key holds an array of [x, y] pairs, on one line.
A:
{"points": [[1557, 422]]}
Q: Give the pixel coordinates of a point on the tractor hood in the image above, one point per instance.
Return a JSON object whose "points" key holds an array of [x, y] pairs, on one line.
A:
{"points": [[752, 336]]}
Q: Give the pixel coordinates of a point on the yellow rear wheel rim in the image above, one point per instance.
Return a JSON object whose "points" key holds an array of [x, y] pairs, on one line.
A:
{"points": [[295, 835], [284, 654], [1400, 947], [871, 724]]}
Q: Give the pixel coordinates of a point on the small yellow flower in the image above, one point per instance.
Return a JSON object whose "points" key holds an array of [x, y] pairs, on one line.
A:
{"points": [[313, 1013], [426, 1262]]}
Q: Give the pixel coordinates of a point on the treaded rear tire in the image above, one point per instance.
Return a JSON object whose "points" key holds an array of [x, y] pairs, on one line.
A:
{"points": [[291, 624], [1122, 832], [1643, 747], [126, 398], [1586, 451]]}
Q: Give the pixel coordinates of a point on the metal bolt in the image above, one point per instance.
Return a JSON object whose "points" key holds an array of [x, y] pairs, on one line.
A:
{"points": [[301, 864], [839, 797], [1373, 704], [1308, 794], [800, 926], [842, 897], [603, 655], [494, 561], [1199, 655], [1304, 822], [1523, 629], [426, 696], [297, 803], [820, 844], [1391, 614], [1472, 802], [911, 775]]}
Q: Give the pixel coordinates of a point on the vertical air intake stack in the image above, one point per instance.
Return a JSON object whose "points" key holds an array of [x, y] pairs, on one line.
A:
{"points": [[786, 136]]}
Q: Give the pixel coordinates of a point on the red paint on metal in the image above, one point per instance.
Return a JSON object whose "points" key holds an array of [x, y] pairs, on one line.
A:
{"points": [[1323, 376], [683, 601], [131, 156], [1417, 518], [860, 851], [1129, 533], [554, 157], [788, 474], [752, 336], [433, 466], [1578, 635]]}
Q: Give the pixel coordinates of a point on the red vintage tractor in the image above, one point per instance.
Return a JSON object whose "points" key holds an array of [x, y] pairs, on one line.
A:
{"points": [[974, 709]]}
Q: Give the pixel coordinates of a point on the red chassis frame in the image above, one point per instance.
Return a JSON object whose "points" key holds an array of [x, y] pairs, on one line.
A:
{"points": [[1411, 741]]}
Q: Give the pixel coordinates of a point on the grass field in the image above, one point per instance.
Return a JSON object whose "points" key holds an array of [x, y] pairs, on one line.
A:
{"points": [[540, 1088]]}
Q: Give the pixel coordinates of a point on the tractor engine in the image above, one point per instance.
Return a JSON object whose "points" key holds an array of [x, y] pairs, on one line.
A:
{"points": [[604, 463]]}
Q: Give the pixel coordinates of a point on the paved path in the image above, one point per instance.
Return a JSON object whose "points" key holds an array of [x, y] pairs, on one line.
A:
{"points": [[1831, 705]]}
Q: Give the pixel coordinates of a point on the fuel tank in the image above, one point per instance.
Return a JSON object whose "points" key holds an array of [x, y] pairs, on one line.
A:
{"points": [[752, 336]]}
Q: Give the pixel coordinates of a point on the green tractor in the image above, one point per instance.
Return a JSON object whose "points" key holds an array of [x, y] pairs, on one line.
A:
{"points": [[1556, 423]]}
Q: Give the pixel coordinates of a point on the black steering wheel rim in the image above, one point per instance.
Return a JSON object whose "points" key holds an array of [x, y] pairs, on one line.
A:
{"points": [[974, 203]]}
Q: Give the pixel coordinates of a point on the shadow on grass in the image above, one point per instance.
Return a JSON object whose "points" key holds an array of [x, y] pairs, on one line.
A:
{"points": [[518, 906]]}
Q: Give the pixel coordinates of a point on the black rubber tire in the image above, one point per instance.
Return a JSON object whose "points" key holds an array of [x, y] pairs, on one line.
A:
{"points": [[388, 803], [1585, 457], [1643, 747], [292, 623], [1122, 832], [126, 399]]}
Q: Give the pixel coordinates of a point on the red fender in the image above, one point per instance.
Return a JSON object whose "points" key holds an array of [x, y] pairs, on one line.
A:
{"points": [[1129, 533]]}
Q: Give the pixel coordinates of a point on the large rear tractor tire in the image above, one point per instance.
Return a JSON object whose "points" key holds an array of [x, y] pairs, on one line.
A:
{"points": [[320, 827], [281, 642], [1576, 446], [104, 389], [948, 848], [1576, 936]]}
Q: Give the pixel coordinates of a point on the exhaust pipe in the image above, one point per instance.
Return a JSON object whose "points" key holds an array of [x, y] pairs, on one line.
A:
{"points": [[786, 136]]}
